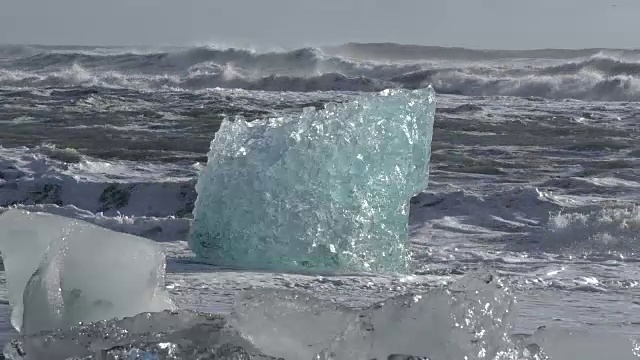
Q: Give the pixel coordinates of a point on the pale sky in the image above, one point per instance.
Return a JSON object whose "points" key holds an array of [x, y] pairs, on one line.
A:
{"points": [[502, 24]]}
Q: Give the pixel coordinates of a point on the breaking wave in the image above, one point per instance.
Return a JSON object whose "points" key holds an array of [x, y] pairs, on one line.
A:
{"points": [[591, 74]]}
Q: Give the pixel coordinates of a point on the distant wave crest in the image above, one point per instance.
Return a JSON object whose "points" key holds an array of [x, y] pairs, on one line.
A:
{"points": [[590, 74]]}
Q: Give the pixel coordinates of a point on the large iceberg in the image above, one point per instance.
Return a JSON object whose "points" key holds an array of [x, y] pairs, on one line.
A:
{"points": [[325, 190], [62, 271]]}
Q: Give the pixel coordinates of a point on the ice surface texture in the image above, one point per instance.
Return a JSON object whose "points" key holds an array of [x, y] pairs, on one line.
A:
{"points": [[61, 271], [326, 190], [469, 318], [165, 335]]}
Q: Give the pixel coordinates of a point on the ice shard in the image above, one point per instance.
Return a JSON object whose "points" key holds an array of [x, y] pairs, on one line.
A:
{"points": [[62, 271], [326, 190]]}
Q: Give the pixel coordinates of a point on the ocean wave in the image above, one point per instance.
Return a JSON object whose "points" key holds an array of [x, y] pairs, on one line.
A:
{"points": [[610, 230], [530, 219], [393, 51], [305, 60], [601, 62], [217, 77], [591, 74], [48, 175], [360, 50], [17, 51], [121, 61], [583, 86], [511, 210]]}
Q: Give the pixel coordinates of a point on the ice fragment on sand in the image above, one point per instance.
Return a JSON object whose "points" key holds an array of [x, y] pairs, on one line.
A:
{"points": [[325, 190], [61, 271], [467, 320], [289, 324]]}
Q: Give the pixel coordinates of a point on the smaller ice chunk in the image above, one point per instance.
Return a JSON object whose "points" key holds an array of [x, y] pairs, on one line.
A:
{"points": [[62, 271], [288, 323], [164, 335], [469, 319]]}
